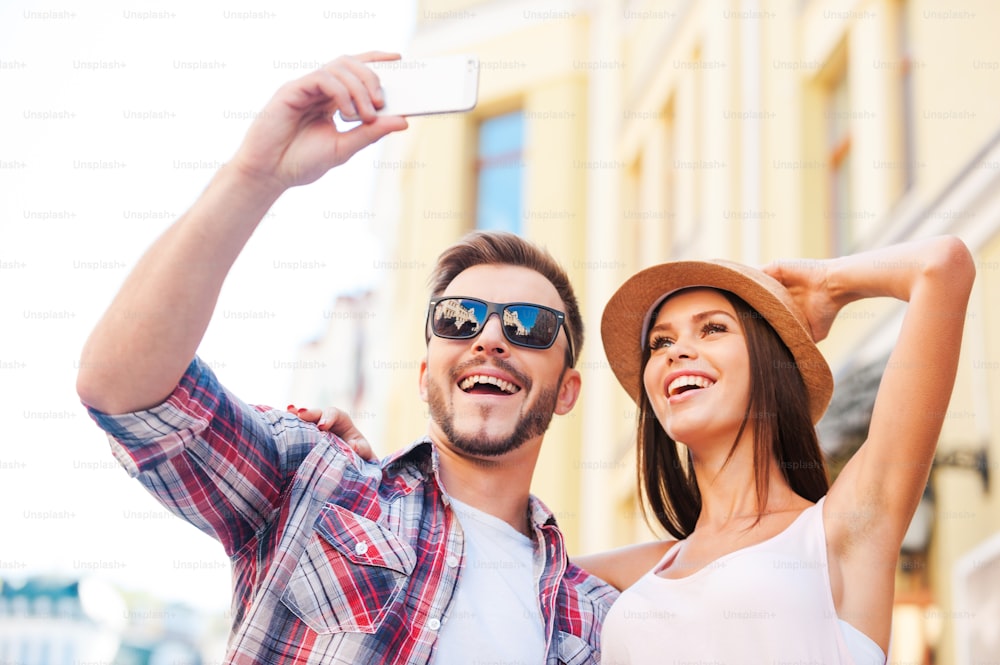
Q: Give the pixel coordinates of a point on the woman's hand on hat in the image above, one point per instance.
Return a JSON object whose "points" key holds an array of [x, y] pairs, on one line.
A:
{"points": [[337, 422], [807, 280]]}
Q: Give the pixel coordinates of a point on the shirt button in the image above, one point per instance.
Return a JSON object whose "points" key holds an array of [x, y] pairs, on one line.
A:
{"points": [[452, 561], [361, 548], [433, 624]]}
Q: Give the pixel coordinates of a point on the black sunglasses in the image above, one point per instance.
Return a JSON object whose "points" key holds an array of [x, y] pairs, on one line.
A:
{"points": [[524, 324]]}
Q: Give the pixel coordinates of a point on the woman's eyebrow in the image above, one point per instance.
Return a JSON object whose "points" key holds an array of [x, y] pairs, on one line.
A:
{"points": [[695, 318], [710, 313]]}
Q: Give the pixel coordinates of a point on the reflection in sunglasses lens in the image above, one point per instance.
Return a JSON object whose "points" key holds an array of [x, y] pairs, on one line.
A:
{"points": [[530, 326]]}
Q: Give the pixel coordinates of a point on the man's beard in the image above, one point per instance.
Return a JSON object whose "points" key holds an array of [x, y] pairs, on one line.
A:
{"points": [[532, 423]]}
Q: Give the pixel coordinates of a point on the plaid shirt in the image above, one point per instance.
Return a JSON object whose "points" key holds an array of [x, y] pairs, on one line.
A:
{"points": [[335, 560]]}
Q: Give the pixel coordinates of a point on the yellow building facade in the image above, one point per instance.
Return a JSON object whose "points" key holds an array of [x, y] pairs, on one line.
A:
{"points": [[749, 130]]}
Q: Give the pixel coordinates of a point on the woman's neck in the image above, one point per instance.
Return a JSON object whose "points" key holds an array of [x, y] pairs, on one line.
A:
{"points": [[728, 487]]}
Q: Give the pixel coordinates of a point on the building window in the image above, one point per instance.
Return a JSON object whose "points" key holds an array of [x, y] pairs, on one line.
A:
{"points": [[906, 90], [666, 218], [499, 173], [842, 216], [631, 227]]}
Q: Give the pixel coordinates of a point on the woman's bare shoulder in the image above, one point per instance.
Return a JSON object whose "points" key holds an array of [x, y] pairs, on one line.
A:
{"points": [[623, 566]]}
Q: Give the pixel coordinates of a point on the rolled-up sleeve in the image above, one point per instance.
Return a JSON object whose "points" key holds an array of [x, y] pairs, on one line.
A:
{"points": [[208, 457]]}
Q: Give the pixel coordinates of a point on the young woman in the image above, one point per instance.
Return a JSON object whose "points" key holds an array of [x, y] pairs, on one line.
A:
{"points": [[770, 564]]}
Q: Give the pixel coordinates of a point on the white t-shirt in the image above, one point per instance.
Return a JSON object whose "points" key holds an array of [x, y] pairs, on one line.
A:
{"points": [[494, 615]]}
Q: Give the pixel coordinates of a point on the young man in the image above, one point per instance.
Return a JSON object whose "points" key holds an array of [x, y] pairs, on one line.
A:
{"points": [[439, 551]]}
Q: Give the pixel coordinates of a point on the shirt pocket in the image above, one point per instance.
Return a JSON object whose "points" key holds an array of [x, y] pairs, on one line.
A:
{"points": [[349, 575], [572, 650]]}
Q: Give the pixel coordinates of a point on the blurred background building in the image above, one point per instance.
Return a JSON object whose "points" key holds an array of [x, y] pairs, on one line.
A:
{"points": [[47, 620], [58, 621], [622, 133]]}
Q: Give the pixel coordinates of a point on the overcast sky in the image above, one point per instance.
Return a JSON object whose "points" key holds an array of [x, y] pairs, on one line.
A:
{"points": [[114, 117]]}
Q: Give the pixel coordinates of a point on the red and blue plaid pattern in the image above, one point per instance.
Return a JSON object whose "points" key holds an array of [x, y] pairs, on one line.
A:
{"points": [[335, 560]]}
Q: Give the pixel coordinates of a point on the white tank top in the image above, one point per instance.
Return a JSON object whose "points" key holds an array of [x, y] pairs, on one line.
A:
{"points": [[765, 604]]}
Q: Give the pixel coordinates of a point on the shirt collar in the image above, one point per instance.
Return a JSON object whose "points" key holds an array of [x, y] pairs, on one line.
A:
{"points": [[420, 462], [539, 513]]}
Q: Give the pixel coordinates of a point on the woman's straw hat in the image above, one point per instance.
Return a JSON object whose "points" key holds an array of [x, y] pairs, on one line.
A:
{"points": [[627, 317]]}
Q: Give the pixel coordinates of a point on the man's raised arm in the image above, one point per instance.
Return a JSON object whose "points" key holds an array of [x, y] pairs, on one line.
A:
{"points": [[144, 342]]}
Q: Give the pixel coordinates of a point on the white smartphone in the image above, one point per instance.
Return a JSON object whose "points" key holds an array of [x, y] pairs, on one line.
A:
{"points": [[444, 84]]}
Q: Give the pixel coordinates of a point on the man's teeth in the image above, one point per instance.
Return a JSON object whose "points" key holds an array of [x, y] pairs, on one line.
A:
{"points": [[470, 381], [689, 381]]}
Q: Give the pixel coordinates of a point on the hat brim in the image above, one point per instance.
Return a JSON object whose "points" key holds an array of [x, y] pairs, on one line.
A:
{"points": [[627, 316]]}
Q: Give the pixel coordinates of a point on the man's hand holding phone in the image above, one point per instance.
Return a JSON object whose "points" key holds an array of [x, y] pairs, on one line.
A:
{"points": [[425, 86], [294, 141]]}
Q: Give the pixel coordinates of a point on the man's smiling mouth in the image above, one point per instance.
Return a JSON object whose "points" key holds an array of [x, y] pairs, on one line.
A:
{"points": [[482, 384]]}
